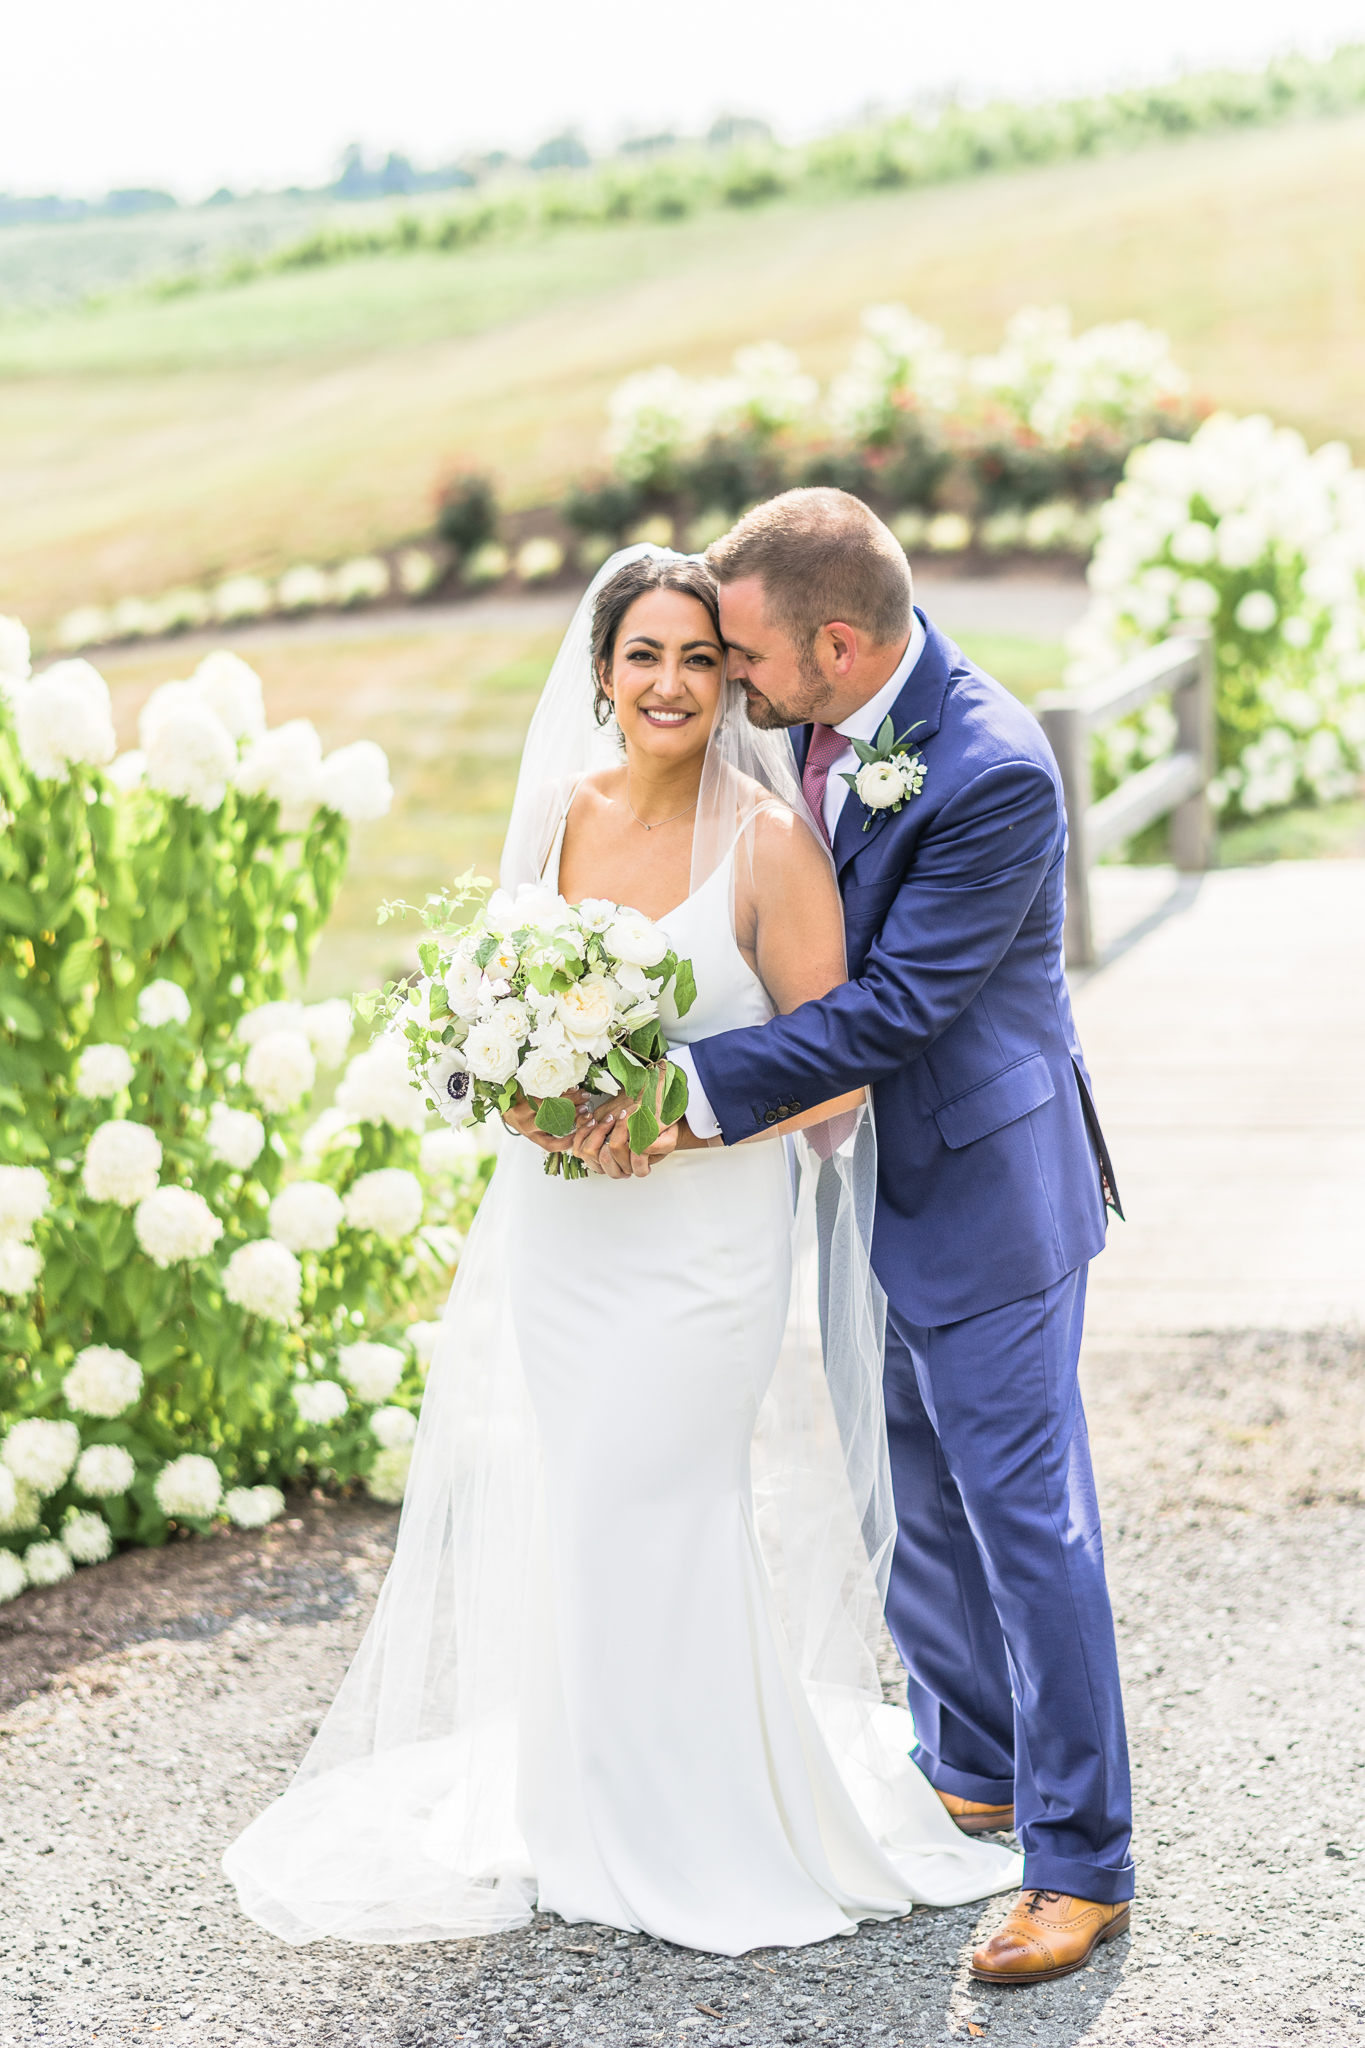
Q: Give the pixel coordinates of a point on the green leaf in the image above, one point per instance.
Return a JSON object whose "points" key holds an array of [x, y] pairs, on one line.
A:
{"points": [[673, 1108], [867, 755], [648, 1042], [886, 735], [643, 1128], [626, 1070], [16, 907], [684, 988], [19, 1016], [557, 1116]]}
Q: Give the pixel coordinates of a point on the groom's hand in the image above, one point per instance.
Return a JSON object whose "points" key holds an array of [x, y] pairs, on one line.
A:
{"points": [[603, 1145]]}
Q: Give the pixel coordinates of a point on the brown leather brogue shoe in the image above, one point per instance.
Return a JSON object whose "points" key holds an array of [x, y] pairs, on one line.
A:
{"points": [[975, 1819], [1048, 1934]]}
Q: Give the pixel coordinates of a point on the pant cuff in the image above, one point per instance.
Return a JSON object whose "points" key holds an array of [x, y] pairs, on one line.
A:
{"points": [[1107, 1887], [943, 1778]]}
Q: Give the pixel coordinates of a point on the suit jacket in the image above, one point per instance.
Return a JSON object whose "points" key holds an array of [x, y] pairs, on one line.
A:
{"points": [[956, 1010]]}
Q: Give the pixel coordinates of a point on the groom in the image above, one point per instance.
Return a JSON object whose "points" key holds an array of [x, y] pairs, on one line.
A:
{"points": [[993, 1182]]}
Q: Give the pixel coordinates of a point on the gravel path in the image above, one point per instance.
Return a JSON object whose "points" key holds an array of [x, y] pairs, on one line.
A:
{"points": [[1232, 1472]]}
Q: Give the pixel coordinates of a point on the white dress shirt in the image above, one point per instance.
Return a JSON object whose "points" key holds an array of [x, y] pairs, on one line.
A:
{"points": [[862, 724]]}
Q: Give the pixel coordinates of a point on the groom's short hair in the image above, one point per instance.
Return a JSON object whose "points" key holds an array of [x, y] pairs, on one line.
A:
{"points": [[820, 555]]}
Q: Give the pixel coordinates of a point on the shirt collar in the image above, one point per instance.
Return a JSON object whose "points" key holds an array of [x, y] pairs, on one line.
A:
{"points": [[863, 724]]}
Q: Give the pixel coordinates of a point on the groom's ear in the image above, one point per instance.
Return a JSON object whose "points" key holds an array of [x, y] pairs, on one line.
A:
{"points": [[840, 646]]}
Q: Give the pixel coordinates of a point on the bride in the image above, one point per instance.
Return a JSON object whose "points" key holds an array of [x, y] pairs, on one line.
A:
{"points": [[623, 1667]]}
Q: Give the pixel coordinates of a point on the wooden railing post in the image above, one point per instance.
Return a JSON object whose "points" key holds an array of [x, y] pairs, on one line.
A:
{"points": [[1068, 735], [1192, 833]]}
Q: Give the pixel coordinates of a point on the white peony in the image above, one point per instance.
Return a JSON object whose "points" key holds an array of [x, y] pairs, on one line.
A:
{"points": [[880, 784], [41, 1453], [393, 1426], [354, 782], [388, 1202], [586, 1011], [20, 1265], [14, 650], [329, 1026], [284, 765], [13, 1577], [265, 1279], [189, 754], [636, 940], [452, 1088], [23, 1198], [232, 689], [104, 1470], [102, 1381], [280, 1069], [47, 1564], [101, 1071], [189, 1488], [371, 1371], [377, 1087], [387, 1478], [550, 1070], [87, 1537], [174, 1223], [423, 1338], [251, 1507], [320, 1401], [63, 716], [490, 1054], [234, 1136], [163, 1002], [306, 1216], [254, 1025]]}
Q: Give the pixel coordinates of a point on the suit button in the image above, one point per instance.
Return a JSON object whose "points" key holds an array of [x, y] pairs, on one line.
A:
{"points": [[770, 1116], [795, 1109]]}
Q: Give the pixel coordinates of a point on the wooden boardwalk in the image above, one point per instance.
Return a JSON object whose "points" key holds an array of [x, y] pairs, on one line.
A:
{"points": [[1226, 1036]]}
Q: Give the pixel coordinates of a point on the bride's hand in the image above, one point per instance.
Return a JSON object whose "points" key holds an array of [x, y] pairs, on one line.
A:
{"points": [[520, 1119], [603, 1144]]}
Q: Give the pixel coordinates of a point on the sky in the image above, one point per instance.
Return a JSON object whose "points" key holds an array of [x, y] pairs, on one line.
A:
{"points": [[254, 94]]}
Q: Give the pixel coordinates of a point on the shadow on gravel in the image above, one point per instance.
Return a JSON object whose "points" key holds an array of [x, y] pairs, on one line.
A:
{"points": [[295, 1571]]}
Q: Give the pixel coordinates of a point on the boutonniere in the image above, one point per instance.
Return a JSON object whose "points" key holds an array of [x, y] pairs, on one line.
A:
{"points": [[889, 775]]}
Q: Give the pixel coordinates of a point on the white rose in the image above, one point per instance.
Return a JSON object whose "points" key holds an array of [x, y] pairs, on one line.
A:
{"points": [[306, 1216], [388, 1201], [189, 1488], [63, 716], [280, 1070], [122, 1162], [354, 782], [372, 1371], [387, 1478], [284, 765], [452, 1090], [47, 1564], [13, 1577], [41, 1453], [251, 1507], [463, 981], [547, 1071], [233, 690], [254, 1025], [174, 1223], [329, 1027], [265, 1279], [104, 1470], [234, 1136], [163, 1002], [595, 913], [423, 1338], [101, 1071], [102, 1381], [880, 784], [513, 1017], [320, 1402], [189, 753], [586, 1011], [20, 1265], [380, 1087], [87, 1538], [634, 939], [23, 1198], [490, 1054], [393, 1426]]}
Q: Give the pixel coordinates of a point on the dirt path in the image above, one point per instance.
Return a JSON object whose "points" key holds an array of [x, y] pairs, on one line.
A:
{"points": [[1232, 1472]]}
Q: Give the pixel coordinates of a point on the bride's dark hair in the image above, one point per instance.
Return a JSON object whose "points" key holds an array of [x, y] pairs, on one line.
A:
{"points": [[615, 598]]}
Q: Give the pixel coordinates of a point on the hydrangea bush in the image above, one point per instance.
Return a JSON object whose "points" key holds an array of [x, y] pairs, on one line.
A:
{"points": [[203, 1295], [1244, 529]]}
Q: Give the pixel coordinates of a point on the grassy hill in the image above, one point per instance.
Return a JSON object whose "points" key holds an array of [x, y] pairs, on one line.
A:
{"points": [[309, 414]]}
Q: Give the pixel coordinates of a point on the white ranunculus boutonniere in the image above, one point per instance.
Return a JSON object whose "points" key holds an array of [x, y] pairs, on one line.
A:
{"points": [[888, 775]]}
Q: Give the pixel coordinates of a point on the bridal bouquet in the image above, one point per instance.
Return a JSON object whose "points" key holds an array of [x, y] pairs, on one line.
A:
{"points": [[534, 995]]}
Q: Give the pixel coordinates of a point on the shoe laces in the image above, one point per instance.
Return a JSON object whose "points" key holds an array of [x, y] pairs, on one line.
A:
{"points": [[1037, 1897]]}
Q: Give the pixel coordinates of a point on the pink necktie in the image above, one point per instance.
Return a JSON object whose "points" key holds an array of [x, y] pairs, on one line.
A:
{"points": [[826, 745]]}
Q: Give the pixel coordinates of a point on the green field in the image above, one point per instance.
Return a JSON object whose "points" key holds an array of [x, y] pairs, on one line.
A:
{"points": [[309, 415]]}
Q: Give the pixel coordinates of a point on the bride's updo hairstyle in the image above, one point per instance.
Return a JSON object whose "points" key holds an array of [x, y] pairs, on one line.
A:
{"points": [[615, 598]]}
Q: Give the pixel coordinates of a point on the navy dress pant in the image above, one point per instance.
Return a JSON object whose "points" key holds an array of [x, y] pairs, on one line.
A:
{"points": [[998, 1603]]}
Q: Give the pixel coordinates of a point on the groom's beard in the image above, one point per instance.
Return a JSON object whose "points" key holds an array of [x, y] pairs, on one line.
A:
{"points": [[814, 694]]}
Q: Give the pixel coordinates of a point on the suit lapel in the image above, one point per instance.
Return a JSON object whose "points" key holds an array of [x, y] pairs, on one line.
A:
{"points": [[919, 705]]}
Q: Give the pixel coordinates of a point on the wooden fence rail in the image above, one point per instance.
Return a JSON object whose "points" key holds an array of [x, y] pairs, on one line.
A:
{"points": [[1183, 668]]}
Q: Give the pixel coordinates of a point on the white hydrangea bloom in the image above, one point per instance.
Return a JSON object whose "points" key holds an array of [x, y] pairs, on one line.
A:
{"points": [[189, 1488], [320, 1401], [354, 782], [189, 753], [388, 1201], [23, 1199], [284, 764], [377, 1087], [234, 1136], [251, 1507], [87, 1537], [265, 1279], [174, 1223], [47, 1564], [21, 1505], [20, 1265], [423, 1338], [254, 1025], [41, 1453], [14, 650], [9, 1494], [306, 1216], [280, 1069], [393, 1426], [387, 1479], [128, 771], [299, 589], [899, 364], [233, 690], [63, 717], [102, 1381], [241, 597], [372, 1371], [361, 580], [1058, 384], [104, 1470], [453, 1151], [333, 1127], [655, 417], [101, 1071], [329, 1026], [767, 392], [13, 1577], [163, 1002]]}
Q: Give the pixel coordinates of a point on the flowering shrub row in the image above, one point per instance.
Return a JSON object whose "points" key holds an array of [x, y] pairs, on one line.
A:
{"points": [[202, 1297]]}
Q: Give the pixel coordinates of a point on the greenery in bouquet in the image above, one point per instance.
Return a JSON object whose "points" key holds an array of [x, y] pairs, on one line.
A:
{"points": [[202, 1298], [538, 999]]}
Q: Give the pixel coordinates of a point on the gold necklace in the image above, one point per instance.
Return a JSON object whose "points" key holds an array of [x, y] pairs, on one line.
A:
{"points": [[658, 821]]}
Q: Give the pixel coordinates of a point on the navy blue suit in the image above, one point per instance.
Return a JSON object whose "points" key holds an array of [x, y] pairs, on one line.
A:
{"points": [[990, 1204]]}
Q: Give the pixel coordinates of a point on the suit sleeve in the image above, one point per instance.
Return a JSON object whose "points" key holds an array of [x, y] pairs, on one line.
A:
{"points": [[976, 870]]}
